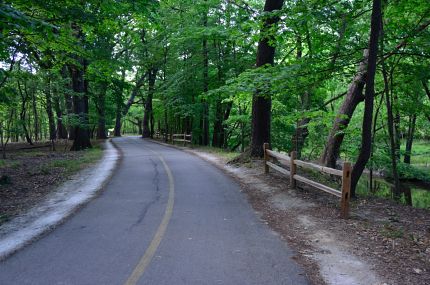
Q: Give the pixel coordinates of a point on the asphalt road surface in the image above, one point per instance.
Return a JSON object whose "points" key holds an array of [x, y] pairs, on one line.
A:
{"points": [[166, 217]]}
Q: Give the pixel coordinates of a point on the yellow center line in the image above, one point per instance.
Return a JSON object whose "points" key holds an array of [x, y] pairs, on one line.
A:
{"points": [[150, 251]]}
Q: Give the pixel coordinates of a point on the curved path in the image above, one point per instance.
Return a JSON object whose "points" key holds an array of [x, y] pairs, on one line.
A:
{"points": [[166, 217]]}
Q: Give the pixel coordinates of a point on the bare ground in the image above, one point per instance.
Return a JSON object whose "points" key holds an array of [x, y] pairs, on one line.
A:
{"points": [[382, 242], [28, 175]]}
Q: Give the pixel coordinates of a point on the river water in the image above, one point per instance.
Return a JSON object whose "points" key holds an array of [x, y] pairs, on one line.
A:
{"points": [[416, 194]]}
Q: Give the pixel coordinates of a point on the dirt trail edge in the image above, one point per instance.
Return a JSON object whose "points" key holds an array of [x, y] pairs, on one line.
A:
{"points": [[326, 259], [59, 205]]}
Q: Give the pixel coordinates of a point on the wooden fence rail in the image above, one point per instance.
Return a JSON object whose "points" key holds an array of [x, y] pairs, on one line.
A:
{"points": [[184, 138], [292, 163]]}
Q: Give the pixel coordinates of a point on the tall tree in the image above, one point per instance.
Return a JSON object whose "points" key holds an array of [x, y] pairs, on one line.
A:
{"points": [[366, 134], [262, 103], [146, 131], [80, 97]]}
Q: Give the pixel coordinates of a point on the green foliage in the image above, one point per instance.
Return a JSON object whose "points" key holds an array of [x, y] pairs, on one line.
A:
{"points": [[116, 44], [70, 166]]}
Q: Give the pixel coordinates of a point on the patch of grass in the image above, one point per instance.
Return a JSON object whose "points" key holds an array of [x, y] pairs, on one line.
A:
{"points": [[420, 152], [421, 198], [9, 163], [229, 155], [4, 218], [389, 231], [407, 171], [4, 179], [33, 153], [73, 165]]}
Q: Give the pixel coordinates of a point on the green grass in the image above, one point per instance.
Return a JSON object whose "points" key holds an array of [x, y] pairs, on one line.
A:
{"points": [[392, 232], [33, 153], [229, 155], [74, 165], [3, 218], [9, 163], [421, 198], [420, 153]]}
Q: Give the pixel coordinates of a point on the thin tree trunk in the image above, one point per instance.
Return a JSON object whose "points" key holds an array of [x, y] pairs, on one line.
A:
{"points": [[146, 133], [204, 120], [119, 106], [427, 90], [222, 135], [101, 112], [391, 135], [216, 136], [68, 98], [22, 115], [61, 129], [353, 97], [217, 140], [410, 138], [366, 135], [262, 105], [136, 88], [49, 111], [2, 133], [406, 190], [302, 131], [35, 115], [394, 144]]}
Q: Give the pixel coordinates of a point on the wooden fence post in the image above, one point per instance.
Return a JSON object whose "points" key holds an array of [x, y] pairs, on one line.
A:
{"points": [[266, 157], [346, 190], [293, 169], [185, 138]]}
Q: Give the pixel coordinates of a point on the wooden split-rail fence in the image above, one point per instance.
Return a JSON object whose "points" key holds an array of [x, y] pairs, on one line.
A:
{"points": [[183, 138], [291, 162]]}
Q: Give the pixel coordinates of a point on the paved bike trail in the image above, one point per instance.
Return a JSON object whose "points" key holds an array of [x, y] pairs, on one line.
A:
{"points": [[166, 217]]}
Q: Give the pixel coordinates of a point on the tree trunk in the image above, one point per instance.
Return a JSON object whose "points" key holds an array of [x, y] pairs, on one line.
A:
{"points": [[262, 103], [410, 138], [101, 112], [136, 88], [49, 112], [300, 136], [222, 135], [204, 120], [366, 135], [216, 136], [61, 129], [119, 106], [69, 101], [22, 115], [427, 90], [35, 115], [117, 130], [302, 131], [146, 132], [391, 133], [80, 107], [353, 97]]}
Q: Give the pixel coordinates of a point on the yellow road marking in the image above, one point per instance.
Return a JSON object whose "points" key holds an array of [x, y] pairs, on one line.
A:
{"points": [[150, 251]]}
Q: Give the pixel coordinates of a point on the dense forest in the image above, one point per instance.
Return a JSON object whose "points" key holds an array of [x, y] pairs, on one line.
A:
{"points": [[331, 80]]}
